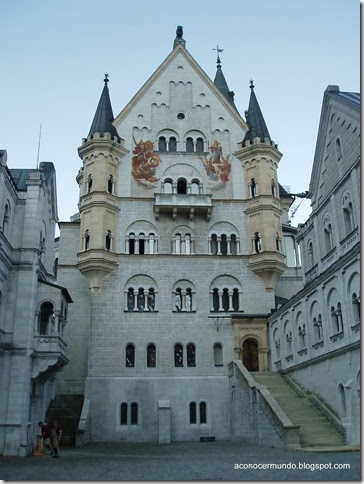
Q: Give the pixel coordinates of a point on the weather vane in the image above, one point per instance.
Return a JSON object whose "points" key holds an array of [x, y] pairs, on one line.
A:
{"points": [[106, 77], [218, 53]]}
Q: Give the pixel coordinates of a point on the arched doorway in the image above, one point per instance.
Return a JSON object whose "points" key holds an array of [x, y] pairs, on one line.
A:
{"points": [[250, 355]]}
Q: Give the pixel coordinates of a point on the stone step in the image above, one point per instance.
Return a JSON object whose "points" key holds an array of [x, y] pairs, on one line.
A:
{"points": [[315, 430]]}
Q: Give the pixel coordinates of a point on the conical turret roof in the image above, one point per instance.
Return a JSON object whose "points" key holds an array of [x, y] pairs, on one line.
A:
{"points": [[104, 116], [255, 119], [221, 84]]}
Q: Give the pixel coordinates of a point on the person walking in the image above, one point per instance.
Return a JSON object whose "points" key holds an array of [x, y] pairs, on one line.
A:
{"points": [[56, 437]]}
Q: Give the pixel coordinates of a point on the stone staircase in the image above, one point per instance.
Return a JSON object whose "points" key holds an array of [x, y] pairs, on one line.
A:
{"points": [[67, 410], [315, 429]]}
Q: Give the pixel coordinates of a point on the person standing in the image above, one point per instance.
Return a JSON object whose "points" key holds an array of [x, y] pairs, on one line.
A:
{"points": [[46, 436], [56, 437]]}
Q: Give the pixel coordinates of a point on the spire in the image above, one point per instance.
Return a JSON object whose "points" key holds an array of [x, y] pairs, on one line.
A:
{"points": [[220, 81], [179, 37], [104, 116], [254, 118]]}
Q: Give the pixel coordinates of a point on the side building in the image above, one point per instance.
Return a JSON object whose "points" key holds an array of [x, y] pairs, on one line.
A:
{"points": [[33, 308], [315, 338]]}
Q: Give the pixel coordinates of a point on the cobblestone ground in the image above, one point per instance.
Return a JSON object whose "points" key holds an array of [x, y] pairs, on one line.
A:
{"points": [[181, 461]]}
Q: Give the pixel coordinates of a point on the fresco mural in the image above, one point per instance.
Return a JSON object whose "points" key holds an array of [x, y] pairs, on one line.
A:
{"points": [[217, 167], [145, 163]]}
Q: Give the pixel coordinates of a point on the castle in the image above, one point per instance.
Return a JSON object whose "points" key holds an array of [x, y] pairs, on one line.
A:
{"points": [[184, 274]]}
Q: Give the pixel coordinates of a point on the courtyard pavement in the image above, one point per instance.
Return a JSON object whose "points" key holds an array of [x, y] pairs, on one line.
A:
{"points": [[184, 461]]}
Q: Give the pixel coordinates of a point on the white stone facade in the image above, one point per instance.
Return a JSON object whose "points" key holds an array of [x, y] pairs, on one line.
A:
{"points": [[33, 309], [315, 338], [152, 340]]}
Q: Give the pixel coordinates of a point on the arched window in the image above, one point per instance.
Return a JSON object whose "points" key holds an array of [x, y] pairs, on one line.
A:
{"points": [[317, 328], [108, 240], [289, 343], [336, 319], [162, 145], [328, 238], [278, 242], [257, 243], [124, 414], [253, 188], [189, 145], [233, 244], [130, 355], [274, 188], [141, 244], [167, 187], [151, 356], [140, 299], [356, 308], [193, 416], [301, 336], [199, 145], [151, 299], [342, 400], [110, 184], [218, 361], [178, 299], [223, 244], [46, 320], [215, 299], [195, 187], [6, 219], [131, 243], [225, 299], [191, 355], [181, 186], [130, 302], [178, 355], [203, 413], [87, 240], [236, 299], [348, 218], [214, 244], [310, 253], [339, 153], [188, 299], [134, 413], [172, 144], [89, 184]]}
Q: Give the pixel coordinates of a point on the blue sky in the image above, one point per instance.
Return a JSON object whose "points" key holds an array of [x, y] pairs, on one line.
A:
{"points": [[54, 55]]}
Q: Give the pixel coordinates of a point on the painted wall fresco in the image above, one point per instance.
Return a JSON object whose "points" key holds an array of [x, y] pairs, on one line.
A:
{"points": [[145, 163], [217, 167]]}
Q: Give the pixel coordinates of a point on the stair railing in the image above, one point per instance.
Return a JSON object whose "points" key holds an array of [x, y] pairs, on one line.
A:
{"points": [[83, 430], [287, 432], [318, 403]]}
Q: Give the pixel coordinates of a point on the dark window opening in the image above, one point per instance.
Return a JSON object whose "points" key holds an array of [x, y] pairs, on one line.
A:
{"points": [[151, 356], [199, 145], [124, 414], [178, 355], [182, 187], [134, 413], [172, 144], [191, 355], [193, 413], [203, 416], [189, 145], [162, 145], [130, 356]]}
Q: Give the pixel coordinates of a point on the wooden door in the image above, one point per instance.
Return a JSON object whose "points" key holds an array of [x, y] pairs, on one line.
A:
{"points": [[250, 355]]}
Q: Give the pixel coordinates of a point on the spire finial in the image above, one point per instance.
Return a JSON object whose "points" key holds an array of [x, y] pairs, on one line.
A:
{"points": [[251, 84], [106, 79], [218, 55], [179, 37]]}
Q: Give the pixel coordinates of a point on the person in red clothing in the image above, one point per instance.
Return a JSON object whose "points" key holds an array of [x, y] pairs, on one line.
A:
{"points": [[56, 437], [46, 435]]}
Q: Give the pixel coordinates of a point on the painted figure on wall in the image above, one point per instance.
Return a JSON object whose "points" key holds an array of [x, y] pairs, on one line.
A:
{"points": [[145, 163], [217, 167]]}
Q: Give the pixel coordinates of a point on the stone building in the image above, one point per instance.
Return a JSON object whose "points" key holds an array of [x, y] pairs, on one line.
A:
{"points": [[315, 338], [33, 308], [174, 258]]}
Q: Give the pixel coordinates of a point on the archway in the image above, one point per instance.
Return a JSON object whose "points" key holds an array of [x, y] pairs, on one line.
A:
{"points": [[250, 355]]}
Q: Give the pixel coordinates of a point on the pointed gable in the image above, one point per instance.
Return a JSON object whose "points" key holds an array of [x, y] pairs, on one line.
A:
{"points": [[255, 119], [180, 50], [338, 130]]}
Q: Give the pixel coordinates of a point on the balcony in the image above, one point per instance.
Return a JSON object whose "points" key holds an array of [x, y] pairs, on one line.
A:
{"points": [[183, 204], [49, 354]]}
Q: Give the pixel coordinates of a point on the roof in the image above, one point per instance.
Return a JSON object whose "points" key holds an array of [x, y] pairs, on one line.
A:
{"points": [[221, 84], [352, 98], [255, 119], [102, 122], [20, 175]]}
